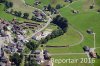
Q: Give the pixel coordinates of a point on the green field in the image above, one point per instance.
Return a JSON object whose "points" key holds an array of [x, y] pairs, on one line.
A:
{"points": [[69, 38], [5, 15], [21, 6], [46, 2], [97, 2], [85, 19]]}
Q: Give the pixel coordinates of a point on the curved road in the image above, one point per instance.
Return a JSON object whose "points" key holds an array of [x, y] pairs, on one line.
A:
{"points": [[82, 37], [48, 22]]}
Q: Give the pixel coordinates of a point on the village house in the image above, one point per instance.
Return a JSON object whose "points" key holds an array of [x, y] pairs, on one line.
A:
{"points": [[42, 35]]}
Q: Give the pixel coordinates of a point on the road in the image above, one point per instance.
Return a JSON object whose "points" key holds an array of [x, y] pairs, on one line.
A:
{"points": [[43, 27], [48, 22], [81, 35], [88, 56]]}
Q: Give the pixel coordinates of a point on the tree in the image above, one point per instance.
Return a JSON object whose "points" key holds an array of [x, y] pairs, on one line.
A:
{"points": [[58, 6], [15, 40], [16, 58], [61, 32], [11, 11], [53, 11], [5, 28], [49, 7], [91, 7], [71, 1], [1, 1], [19, 14], [48, 37], [15, 13], [33, 18], [8, 4], [26, 15], [32, 45], [98, 10], [43, 41], [30, 62], [61, 22]]}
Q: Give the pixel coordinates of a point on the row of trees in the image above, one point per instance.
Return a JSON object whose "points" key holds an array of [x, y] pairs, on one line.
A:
{"points": [[2, 1], [62, 24], [54, 34], [19, 14], [52, 9], [58, 6]]}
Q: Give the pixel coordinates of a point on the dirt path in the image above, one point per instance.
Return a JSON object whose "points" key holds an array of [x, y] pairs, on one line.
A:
{"points": [[81, 35], [55, 54]]}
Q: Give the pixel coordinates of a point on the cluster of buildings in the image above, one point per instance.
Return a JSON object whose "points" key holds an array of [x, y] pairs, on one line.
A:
{"points": [[39, 16], [11, 40], [37, 2], [12, 33], [42, 35], [42, 57], [4, 61], [90, 51]]}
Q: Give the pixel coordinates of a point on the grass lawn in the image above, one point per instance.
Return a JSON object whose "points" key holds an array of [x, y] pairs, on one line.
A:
{"points": [[30, 2], [83, 21], [97, 2], [87, 18], [6, 15], [74, 49], [70, 37], [20, 6], [52, 27]]}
